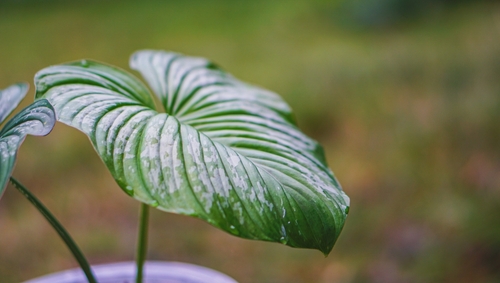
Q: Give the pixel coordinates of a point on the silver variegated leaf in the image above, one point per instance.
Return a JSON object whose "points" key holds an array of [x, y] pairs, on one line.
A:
{"points": [[10, 98], [37, 119], [221, 150]]}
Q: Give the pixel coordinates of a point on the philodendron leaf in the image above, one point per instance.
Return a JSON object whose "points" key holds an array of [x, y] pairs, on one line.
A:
{"points": [[224, 151], [10, 98], [37, 119]]}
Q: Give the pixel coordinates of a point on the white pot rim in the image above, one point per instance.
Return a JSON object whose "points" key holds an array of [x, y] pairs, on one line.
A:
{"points": [[154, 272]]}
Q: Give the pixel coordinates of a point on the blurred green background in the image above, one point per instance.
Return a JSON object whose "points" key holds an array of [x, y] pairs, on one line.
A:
{"points": [[404, 96]]}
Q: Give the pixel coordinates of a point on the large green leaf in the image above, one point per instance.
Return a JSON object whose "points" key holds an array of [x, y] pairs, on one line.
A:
{"points": [[224, 151], [36, 119]]}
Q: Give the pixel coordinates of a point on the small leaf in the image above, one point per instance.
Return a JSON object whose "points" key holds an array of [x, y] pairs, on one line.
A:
{"points": [[10, 98], [224, 151], [37, 119]]}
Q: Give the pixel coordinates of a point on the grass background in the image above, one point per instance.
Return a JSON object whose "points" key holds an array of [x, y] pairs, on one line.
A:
{"points": [[403, 95]]}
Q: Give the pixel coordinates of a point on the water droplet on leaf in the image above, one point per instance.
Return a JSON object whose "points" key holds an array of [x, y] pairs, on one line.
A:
{"points": [[233, 230], [129, 190], [84, 63]]}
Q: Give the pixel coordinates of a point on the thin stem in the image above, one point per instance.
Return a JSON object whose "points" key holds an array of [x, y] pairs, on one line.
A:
{"points": [[142, 242], [59, 229]]}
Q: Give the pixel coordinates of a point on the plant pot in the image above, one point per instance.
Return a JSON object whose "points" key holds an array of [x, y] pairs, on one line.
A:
{"points": [[154, 272]]}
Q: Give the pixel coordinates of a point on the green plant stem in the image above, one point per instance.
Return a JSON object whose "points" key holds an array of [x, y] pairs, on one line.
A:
{"points": [[59, 229], [142, 242]]}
